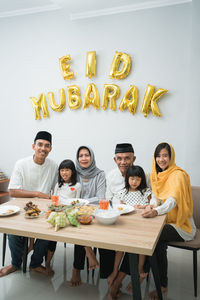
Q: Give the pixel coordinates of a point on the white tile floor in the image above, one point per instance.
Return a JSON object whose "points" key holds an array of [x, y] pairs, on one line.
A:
{"points": [[19, 286]]}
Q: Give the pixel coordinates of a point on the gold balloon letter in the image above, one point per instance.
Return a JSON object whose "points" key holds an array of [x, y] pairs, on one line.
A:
{"points": [[87, 100], [73, 94], [91, 64], [130, 100], [57, 107], [150, 100], [111, 93], [65, 67], [38, 104], [123, 58]]}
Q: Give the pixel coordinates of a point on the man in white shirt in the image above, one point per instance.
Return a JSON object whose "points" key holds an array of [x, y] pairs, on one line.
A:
{"points": [[115, 182], [34, 176]]}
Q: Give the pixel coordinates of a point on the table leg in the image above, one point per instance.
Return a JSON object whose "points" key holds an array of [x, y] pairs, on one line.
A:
{"points": [[135, 277], [154, 268], [4, 248], [25, 254]]}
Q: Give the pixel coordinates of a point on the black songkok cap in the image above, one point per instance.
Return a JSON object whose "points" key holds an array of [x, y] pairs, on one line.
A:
{"points": [[43, 135], [122, 148]]}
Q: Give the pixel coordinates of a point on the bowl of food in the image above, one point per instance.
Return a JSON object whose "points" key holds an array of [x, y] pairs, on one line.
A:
{"points": [[106, 217], [85, 219]]}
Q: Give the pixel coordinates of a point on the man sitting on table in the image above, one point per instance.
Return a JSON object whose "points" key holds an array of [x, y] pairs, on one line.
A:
{"points": [[34, 176]]}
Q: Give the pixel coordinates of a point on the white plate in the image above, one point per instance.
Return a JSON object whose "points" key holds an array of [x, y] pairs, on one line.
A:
{"points": [[78, 202], [124, 208], [8, 210]]}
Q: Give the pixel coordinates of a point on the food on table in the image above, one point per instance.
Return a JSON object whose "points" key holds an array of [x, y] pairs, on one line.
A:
{"points": [[60, 207], [51, 218], [86, 210], [31, 209], [8, 212], [60, 221], [72, 217], [75, 202], [120, 208], [47, 214], [55, 208], [57, 219], [85, 219]]}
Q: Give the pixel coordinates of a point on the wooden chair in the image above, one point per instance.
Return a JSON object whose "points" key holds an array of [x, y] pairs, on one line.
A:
{"points": [[193, 245]]}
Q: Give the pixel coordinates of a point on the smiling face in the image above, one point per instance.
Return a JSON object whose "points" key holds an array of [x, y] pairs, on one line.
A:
{"points": [[66, 175], [163, 159], [124, 161], [42, 149], [84, 158]]}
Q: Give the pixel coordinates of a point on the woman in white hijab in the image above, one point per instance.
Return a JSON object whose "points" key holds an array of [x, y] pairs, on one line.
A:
{"points": [[93, 187]]}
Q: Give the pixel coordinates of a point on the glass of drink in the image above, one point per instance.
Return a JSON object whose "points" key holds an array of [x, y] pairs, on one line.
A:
{"points": [[55, 200], [104, 204]]}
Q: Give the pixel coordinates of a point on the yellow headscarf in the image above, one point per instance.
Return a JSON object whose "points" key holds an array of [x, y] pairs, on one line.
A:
{"points": [[174, 182]]}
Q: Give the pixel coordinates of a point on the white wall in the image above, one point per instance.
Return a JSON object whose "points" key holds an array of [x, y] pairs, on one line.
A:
{"points": [[160, 44]]}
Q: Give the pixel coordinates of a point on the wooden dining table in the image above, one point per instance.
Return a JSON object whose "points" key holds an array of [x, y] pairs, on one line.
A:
{"points": [[131, 233]]}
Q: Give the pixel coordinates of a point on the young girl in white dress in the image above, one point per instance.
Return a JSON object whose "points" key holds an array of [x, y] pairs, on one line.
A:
{"points": [[137, 194], [67, 186]]}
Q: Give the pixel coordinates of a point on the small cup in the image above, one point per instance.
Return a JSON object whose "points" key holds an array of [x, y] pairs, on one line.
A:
{"points": [[104, 204], [55, 200]]}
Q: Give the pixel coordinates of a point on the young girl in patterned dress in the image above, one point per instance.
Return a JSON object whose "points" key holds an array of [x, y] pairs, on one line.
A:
{"points": [[137, 194]]}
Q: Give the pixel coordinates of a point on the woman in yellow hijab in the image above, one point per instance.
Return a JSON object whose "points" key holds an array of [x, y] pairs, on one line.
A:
{"points": [[171, 189]]}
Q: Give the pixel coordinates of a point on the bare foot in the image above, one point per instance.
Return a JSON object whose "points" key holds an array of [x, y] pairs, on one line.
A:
{"points": [[154, 296], [7, 270], [114, 291], [76, 278], [110, 297], [142, 277], [129, 288], [41, 269], [50, 270], [93, 262]]}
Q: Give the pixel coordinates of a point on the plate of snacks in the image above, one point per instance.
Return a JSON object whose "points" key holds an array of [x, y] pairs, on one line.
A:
{"points": [[8, 210], [123, 208], [74, 202], [31, 210]]}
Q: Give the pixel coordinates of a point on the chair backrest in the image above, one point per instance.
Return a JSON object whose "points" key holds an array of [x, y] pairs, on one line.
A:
{"points": [[196, 203]]}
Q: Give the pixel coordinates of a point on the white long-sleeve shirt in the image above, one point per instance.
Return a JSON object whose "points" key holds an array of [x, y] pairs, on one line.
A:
{"points": [[165, 207]]}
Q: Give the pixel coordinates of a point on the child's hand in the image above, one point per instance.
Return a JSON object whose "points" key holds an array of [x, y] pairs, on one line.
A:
{"points": [[122, 202], [138, 206]]}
